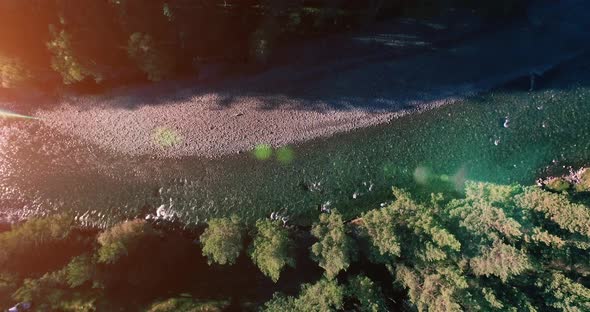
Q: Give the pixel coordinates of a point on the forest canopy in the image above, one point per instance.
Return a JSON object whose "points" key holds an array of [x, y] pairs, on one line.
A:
{"points": [[69, 42]]}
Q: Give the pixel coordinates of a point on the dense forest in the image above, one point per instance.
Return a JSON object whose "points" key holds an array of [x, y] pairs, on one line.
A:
{"points": [[53, 42], [490, 248]]}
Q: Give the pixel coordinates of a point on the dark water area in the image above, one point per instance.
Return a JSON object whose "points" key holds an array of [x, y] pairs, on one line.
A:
{"points": [[507, 136]]}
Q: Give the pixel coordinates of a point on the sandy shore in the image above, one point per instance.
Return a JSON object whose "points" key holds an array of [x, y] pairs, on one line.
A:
{"points": [[292, 104]]}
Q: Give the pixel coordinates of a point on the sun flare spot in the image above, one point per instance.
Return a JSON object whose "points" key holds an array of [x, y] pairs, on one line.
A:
{"points": [[166, 137], [7, 114], [262, 151]]}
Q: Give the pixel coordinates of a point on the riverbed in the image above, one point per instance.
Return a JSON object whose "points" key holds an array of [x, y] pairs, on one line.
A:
{"points": [[509, 135]]}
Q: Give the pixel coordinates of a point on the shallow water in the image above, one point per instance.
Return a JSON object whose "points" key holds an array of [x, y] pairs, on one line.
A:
{"points": [[505, 136]]}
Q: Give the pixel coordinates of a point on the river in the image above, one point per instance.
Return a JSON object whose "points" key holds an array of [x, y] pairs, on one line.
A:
{"points": [[508, 135]]}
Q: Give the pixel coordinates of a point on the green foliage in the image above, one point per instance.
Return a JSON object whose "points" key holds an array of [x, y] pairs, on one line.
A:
{"points": [[183, 304], [438, 289], [31, 235], [422, 220], [385, 226], [223, 240], [12, 72], [380, 227], [117, 241], [65, 61], [563, 294], [150, 58], [335, 250], [325, 295], [271, 248], [490, 193], [280, 303], [558, 185], [484, 211], [366, 294], [50, 293], [542, 236], [80, 270], [500, 260], [556, 207], [491, 298], [8, 284], [583, 183], [50, 287], [483, 251], [77, 303]]}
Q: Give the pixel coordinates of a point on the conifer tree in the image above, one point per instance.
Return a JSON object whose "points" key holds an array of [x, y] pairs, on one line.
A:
{"points": [[335, 249], [222, 240], [271, 249]]}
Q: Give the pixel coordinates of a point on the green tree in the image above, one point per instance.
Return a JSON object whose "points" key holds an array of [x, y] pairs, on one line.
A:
{"points": [[187, 304], [433, 288], [65, 60], [483, 251], [281, 303], [500, 260], [51, 293], [380, 228], [8, 284], [80, 270], [365, 294], [335, 249], [223, 240], [583, 180], [556, 207], [323, 296], [31, 235], [117, 241], [563, 294], [557, 185], [12, 72], [271, 248], [50, 289], [149, 57]]}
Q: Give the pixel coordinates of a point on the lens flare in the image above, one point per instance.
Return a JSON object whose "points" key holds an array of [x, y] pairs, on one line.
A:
{"points": [[285, 155], [166, 137], [7, 114], [422, 175], [262, 151]]}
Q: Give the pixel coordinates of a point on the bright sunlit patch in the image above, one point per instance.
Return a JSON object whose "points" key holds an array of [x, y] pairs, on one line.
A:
{"points": [[422, 175], [262, 151], [285, 155], [166, 137], [7, 114], [459, 179]]}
